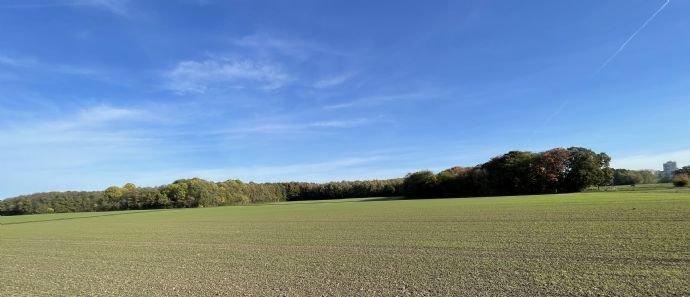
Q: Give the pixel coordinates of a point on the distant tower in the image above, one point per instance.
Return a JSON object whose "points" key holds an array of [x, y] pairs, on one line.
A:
{"points": [[669, 168]]}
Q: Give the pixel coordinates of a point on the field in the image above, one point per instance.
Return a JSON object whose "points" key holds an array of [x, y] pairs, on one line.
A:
{"points": [[625, 243], [653, 188]]}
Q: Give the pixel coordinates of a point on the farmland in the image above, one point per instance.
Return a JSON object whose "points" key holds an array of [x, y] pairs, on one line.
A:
{"points": [[631, 243]]}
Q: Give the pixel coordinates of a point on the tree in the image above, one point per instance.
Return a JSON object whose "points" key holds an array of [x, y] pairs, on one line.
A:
{"points": [[113, 193], [681, 180], [606, 172], [633, 177], [549, 169], [420, 184], [685, 169], [510, 173], [129, 187], [449, 181], [176, 193], [585, 169], [113, 198]]}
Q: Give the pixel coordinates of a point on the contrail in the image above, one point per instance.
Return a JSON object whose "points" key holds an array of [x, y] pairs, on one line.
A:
{"points": [[622, 47], [550, 117]]}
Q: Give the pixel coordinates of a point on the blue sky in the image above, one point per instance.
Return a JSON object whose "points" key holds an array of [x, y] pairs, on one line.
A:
{"points": [[96, 93]]}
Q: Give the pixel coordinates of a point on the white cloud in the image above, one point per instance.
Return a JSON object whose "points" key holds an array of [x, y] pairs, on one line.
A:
{"points": [[652, 161], [296, 48], [199, 76], [257, 61]]}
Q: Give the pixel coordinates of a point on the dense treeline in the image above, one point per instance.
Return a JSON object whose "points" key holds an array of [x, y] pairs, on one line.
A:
{"points": [[345, 189], [516, 173], [51, 202], [557, 170], [633, 177], [195, 192]]}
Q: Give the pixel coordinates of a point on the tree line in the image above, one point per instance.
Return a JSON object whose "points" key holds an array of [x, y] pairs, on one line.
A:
{"points": [[195, 192], [557, 170], [633, 177]]}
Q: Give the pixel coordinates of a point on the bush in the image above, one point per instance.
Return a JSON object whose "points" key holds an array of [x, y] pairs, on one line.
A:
{"points": [[681, 180]]}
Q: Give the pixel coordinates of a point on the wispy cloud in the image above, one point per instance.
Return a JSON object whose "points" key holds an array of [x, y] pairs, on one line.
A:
{"points": [[199, 2], [270, 128], [355, 167], [200, 76], [115, 6], [334, 80], [382, 99], [105, 113], [631, 37], [73, 149], [295, 53], [16, 61], [293, 47], [83, 148], [88, 125], [33, 65], [258, 61], [42, 4], [100, 145]]}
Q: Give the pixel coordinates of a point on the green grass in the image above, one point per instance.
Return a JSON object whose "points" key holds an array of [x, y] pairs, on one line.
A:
{"points": [[600, 243], [665, 187]]}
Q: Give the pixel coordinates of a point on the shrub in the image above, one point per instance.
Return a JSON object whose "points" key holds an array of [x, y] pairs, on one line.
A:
{"points": [[681, 180]]}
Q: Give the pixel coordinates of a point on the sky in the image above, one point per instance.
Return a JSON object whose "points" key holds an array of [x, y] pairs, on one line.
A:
{"points": [[95, 93]]}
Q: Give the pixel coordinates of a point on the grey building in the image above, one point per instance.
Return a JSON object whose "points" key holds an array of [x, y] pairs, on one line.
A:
{"points": [[669, 168]]}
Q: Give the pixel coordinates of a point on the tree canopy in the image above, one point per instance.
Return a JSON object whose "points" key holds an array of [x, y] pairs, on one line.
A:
{"points": [[194, 192], [516, 173]]}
